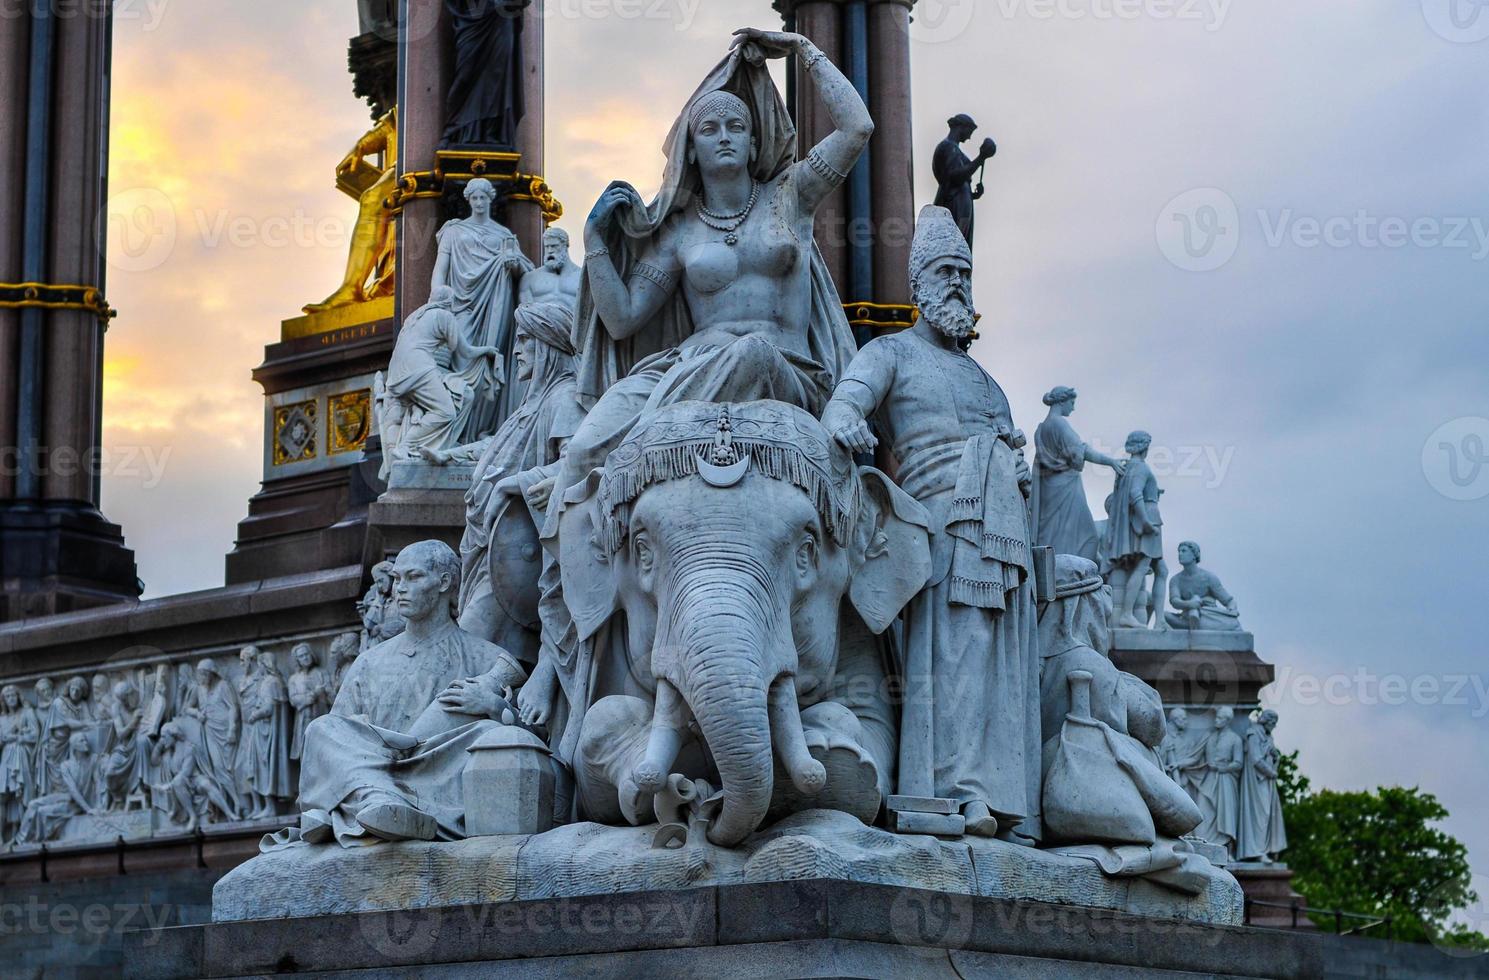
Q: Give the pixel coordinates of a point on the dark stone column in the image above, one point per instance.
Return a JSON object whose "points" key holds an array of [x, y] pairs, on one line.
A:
{"points": [[822, 22], [57, 552], [526, 217], [15, 39], [864, 229], [424, 59], [892, 149]]}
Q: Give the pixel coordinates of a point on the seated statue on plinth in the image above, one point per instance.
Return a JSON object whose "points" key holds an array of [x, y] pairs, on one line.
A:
{"points": [[1200, 602], [426, 405], [385, 764]]}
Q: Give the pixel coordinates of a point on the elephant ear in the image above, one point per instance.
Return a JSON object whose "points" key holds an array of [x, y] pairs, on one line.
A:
{"points": [[586, 567], [891, 550]]}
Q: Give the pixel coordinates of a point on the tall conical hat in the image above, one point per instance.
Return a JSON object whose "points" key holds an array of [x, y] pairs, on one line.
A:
{"points": [[936, 237]]}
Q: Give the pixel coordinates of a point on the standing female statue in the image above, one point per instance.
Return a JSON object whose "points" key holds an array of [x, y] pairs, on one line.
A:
{"points": [[1062, 519], [480, 259]]}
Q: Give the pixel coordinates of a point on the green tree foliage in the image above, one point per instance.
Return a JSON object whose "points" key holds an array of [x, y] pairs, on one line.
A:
{"points": [[1376, 853]]}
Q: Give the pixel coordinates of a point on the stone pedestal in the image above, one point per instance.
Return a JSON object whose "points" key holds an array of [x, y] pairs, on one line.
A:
{"points": [[422, 502], [1268, 886], [311, 512], [803, 928], [1195, 667]]}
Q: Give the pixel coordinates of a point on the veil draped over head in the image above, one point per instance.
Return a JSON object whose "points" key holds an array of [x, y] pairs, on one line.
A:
{"points": [[603, 360]]}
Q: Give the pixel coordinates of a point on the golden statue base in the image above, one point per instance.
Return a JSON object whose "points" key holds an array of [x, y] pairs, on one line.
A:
{"points": [[336, 318]]}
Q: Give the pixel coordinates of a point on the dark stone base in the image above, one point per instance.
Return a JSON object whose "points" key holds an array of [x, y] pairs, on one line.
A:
{"points": [[302, 524], [777, 929], [1271, 887], [76, 929], [403, 515], [61, 556]]}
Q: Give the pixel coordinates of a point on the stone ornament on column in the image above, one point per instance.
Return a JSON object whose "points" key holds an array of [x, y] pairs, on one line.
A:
{"points": [[954, 171], [1200, 602], [485, 99]]}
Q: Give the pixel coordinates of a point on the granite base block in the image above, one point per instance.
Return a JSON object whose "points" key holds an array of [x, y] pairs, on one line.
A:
{"points": [[805, 928]]}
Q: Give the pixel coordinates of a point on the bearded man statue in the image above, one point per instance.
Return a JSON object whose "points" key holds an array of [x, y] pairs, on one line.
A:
{"points": [[969, 730]]}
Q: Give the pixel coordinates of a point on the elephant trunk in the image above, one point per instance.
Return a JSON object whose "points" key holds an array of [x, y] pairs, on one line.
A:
{"points": [[725, 630]]}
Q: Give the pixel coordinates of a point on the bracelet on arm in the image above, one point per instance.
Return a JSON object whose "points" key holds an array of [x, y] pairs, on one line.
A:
{"points": [[659, 276], [810, 55], [823, 169], [596, 253]]}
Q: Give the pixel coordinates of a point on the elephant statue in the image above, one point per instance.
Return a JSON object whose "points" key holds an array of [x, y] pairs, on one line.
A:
{"points": [[729, 535]]}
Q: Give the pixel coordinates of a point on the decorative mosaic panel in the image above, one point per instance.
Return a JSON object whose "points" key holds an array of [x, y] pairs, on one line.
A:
{"points": [[294, 433], [348, 421]]}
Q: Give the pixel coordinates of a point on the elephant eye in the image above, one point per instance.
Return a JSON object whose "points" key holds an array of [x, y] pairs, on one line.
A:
{"points": [[642, 549]]}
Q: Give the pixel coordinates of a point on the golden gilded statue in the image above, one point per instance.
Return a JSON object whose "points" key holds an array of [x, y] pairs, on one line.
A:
{"points": [[367, 173]]}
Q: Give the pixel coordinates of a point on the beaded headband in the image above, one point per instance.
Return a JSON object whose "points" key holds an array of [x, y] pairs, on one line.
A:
{"points": [[716, 103]]}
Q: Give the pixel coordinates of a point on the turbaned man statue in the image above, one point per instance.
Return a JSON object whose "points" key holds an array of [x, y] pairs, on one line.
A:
{"points": [[385, 764], [970, 725]]}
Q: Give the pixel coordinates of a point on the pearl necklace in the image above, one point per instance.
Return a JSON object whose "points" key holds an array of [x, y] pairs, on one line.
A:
{"points": [[728, 223]]}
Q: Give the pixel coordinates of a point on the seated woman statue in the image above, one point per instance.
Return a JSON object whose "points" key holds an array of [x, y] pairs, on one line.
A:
{"points": [[716, 290], [1200, 600]]}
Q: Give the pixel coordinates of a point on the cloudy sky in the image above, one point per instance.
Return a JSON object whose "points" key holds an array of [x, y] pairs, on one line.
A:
{"points": [[1258, 229]]}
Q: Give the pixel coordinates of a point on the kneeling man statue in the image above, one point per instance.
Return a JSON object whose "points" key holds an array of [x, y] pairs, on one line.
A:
{"points": [[386, 763]]}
